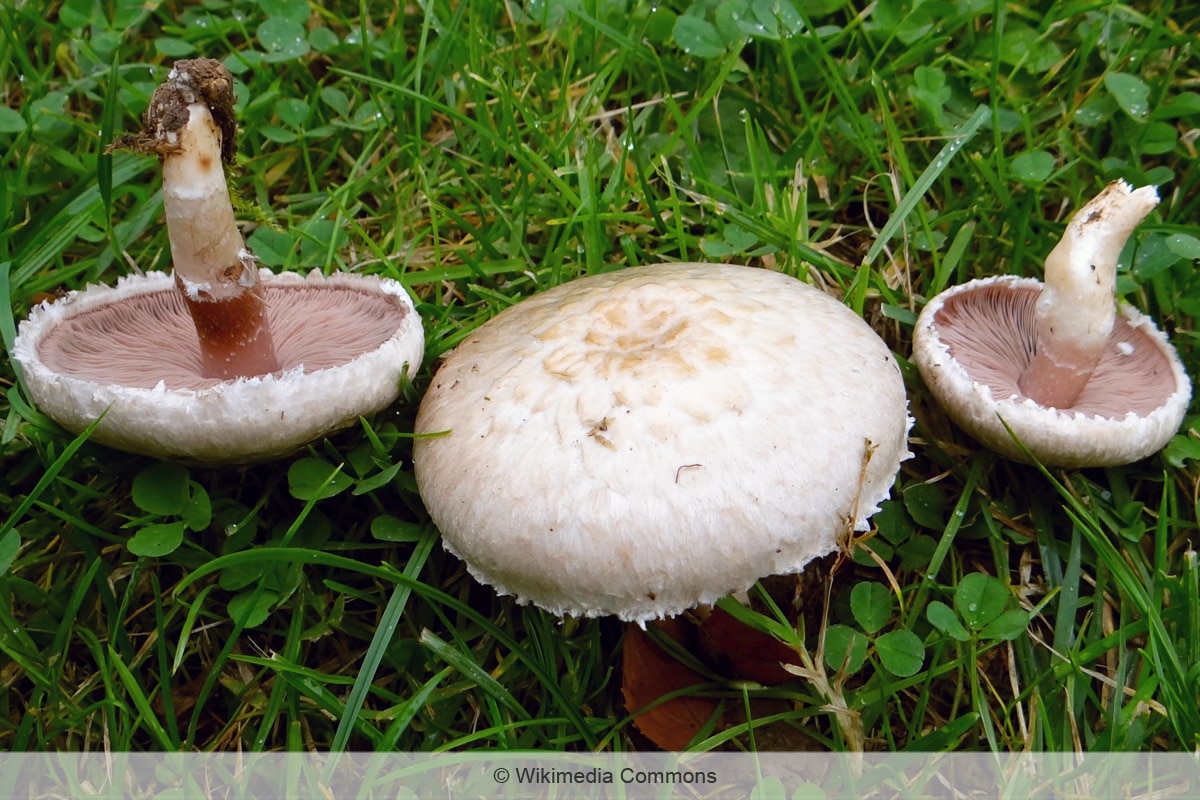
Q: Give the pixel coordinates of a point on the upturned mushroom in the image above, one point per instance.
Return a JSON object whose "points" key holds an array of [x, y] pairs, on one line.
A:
{"points": [[639, 442], [1076, 382], [221, 362]]}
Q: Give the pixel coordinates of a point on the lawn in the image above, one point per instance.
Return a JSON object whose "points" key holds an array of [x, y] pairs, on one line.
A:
{"points": [[480, 152]]}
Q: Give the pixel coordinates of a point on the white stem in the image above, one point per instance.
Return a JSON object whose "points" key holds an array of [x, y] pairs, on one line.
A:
{"points": [[213, 268], [207, 250], [1077, 306]]}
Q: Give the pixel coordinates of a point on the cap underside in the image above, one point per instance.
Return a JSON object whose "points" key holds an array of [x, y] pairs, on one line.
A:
{"points": [[991, 332], [129, 354], [149, 338]]}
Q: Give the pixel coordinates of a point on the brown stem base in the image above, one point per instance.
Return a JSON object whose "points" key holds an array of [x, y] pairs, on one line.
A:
{"points": [[235, 341]]}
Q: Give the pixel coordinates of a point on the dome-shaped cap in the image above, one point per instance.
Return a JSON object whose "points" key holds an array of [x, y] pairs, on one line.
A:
{"points": [[639, 442]]}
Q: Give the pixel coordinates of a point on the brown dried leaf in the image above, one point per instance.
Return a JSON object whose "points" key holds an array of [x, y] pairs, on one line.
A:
{"points": [[649, 673], [742, 652]]}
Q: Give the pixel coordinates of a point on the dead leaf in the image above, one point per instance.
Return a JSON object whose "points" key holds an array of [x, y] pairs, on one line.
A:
{"points": [[742, 652], [649, 673]]}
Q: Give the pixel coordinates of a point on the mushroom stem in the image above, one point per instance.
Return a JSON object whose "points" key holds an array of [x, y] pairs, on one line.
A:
{"points": [[189, 125], [1077, 307], [214, 270]]}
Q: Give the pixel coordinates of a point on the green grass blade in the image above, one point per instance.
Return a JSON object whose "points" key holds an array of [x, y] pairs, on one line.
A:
{"points": [[383, 636], [48, 478], [147, 716], [963, 134]]}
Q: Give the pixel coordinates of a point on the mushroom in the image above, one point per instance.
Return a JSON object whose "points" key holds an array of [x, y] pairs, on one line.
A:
{"points": [[223, 362], [130, 354], [643, 441], [1076, 382]]}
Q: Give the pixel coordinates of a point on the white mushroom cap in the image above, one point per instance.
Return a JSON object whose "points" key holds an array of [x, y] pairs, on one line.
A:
{"points": [[131, 353], [973, 342], [642, 441]]}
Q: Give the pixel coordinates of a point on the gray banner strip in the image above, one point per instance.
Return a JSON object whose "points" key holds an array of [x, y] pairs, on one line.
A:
{"points": [[490, 774]]}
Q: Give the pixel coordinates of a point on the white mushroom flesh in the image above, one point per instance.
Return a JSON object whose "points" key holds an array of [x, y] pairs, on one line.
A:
{"points": [[205, 240]]}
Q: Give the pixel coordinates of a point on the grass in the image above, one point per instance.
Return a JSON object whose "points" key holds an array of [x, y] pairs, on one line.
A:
{"points": [[481, 152]]}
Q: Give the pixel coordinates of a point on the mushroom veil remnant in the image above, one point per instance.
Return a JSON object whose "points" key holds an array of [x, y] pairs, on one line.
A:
{"points": [[642, 441], [223, 361], [1079, 383]]}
